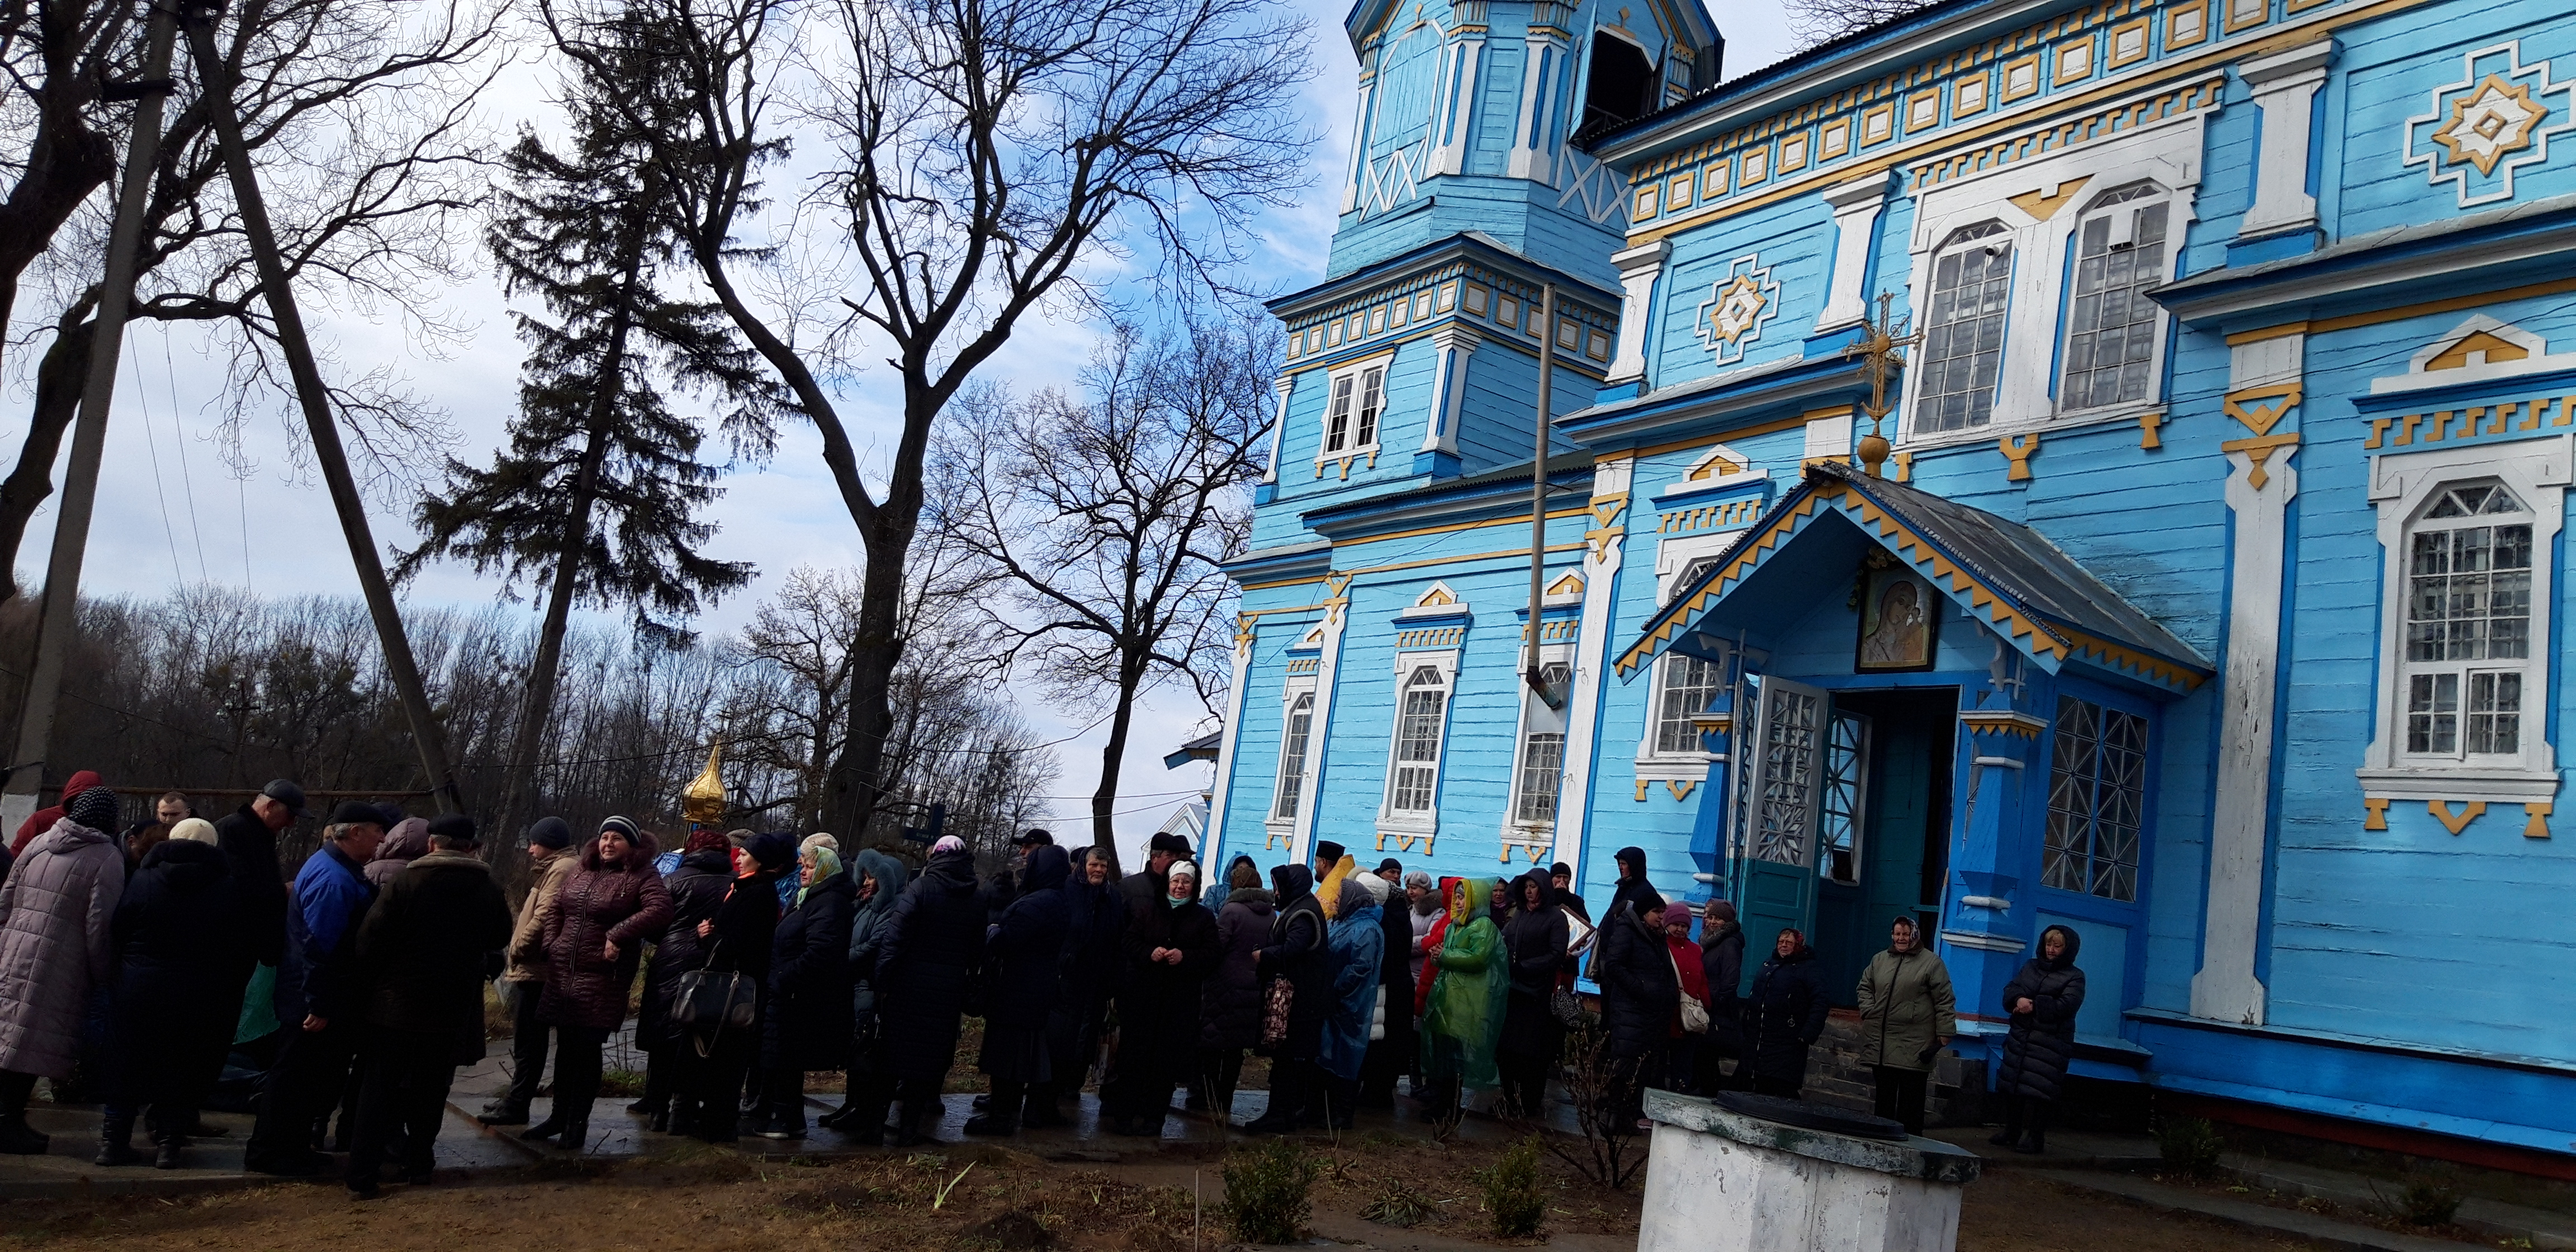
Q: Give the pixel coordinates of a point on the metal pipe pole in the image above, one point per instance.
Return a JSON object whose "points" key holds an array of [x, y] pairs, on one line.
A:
{"points": [[216, 88], [1538, 481], [60, 613]]}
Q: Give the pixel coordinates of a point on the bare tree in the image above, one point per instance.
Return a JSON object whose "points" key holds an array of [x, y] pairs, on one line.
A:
{"points": [[1106, 520], [1815, 23], [985, 151], [801, 635], [361, 115], [58, 58]]}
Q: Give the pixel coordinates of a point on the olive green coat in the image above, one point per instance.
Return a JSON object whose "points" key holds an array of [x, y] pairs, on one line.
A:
{"points": [[1905, 1008]]}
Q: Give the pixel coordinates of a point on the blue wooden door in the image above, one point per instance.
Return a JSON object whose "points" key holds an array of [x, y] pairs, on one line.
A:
{"points": [[1782, 771]]}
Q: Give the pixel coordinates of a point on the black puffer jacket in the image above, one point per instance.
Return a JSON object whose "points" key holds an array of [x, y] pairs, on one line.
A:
{"points": [[1721, 965], [1025, 951], [1639, 992], [809, 979], [1296, 952], [1231, 1003], [1535, 941], [928, 952], [697, 890], [1784, 1014], [175, 931], [2043, 1040]]}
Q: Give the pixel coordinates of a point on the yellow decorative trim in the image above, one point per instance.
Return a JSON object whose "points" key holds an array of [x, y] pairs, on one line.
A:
{"points": [[1680, 787], [2259, 450], [1677, 193], [2018, 449], [2074, 61], [1431, 637], [2374, 813], [1642, 784], [2127, 44], [2515, 134], [2247, 14], [1877, 125], [1606, 509], [1404, 842], [2149, 424], [2260, 408], [2535, 819], [2110, 655], [1835, 139], [1732, 513], [1904, 467], [2455, 822], [2044, 204], [2125, 116], [2021, 78], [2012, 722], [2186, 25], [1968, 97], [1299, 665], [1923, 111]]}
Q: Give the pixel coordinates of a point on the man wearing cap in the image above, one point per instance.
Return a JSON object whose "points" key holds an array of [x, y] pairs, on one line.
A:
{"points": [[313, 994], [248, 839], [421, 956], [1146, 889], [523, 982]]}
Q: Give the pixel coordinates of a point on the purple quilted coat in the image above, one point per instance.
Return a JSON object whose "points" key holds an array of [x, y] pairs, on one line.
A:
{"points": [[54, 944], [597, 904]]}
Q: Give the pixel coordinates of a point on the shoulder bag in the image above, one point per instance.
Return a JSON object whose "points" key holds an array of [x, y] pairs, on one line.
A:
{"points": [[709, 1000], [1694, 1013]]}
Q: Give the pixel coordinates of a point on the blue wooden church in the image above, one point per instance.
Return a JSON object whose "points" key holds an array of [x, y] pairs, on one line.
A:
{"points": [[2179, 567]]}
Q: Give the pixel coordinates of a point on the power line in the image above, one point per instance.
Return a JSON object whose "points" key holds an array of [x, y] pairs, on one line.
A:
{"points": [[187, 484], [160, 491]]}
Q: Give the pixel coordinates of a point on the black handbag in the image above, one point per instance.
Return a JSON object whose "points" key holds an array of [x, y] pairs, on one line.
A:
{"points": [[707, 1001]]}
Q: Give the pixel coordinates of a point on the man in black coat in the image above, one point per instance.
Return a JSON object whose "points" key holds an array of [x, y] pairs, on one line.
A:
{"points": [[421, 959], [1025, 951], [248, 838], [1137, 893], [932, 945], [168, 1027]]}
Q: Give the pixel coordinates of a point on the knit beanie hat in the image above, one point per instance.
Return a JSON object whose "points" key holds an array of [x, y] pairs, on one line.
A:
{"points": [[704, 838], [452, 828], [550, 832], [94, 808]]}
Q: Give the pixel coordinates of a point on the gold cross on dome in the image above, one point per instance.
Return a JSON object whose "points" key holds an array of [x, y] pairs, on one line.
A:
{"points": [[1881, 349]]}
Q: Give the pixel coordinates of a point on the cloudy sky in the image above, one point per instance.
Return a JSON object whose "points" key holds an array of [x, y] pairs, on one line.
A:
{"points": [[170, 514]]}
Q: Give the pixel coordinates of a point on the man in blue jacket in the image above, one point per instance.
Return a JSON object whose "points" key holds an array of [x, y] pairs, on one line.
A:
{"points": [[331, 895]]}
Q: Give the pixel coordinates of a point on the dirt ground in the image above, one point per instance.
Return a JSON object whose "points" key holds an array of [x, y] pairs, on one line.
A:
{"points": [[972, 1198]]}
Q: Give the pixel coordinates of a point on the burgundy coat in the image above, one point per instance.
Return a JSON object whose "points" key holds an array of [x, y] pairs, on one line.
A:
{"points": [[598, 905]]}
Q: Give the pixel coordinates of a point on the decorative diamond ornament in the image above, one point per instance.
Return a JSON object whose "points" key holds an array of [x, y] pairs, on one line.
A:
{"points": [[1740, 304], [2496, 119]]}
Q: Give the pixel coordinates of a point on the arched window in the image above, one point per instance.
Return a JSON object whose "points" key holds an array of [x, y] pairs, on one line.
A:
{"points": [[1422, 713], [2113, 331], [2468, 625], [1292, 755], [1542, 756], [1963, 338]]}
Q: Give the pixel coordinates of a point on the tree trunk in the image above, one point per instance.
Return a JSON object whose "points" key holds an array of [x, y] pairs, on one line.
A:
{"points": [[519, 776], [858, 787], [59, 378], [1104, 798]]}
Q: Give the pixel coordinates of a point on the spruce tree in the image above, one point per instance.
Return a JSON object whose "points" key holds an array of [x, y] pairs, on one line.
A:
{"points": [[600, 492]]}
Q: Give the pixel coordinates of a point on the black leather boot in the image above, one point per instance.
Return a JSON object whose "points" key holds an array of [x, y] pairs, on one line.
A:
{"points": [[552, 1126], [116, 1142], [168, 1146]]}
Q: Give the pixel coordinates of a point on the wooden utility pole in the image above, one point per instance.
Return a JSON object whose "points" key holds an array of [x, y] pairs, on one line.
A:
{"points": [[1533, 672], [60, 614], [216, 86]]}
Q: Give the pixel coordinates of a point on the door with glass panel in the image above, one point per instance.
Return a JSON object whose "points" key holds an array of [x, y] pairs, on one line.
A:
{"points": [[1780, 809]]}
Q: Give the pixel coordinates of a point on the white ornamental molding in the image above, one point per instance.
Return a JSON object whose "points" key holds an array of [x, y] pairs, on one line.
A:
{"points": [[1739, 305], [2492, 122]]}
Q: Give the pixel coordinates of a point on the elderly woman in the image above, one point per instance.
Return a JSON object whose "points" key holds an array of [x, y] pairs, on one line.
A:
{"points": [[1534, 943], [697, 885], [1023, 953], [1906, 1015], [879, 879], [1356, 944], [595, 933], [1463, 1024], [737, 941], [168, 1023], [56, 943], [809, 987], [1172, 947], [928, 950]]}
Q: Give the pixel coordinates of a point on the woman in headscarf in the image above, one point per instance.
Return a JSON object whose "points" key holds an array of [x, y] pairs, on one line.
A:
{"points": [[697, 886], [880, 881], [169, 1021], [1463, 1026], [1906, 1015], [1024, 953], [1640, 992], [55, 945], [2043, 998], [1532, 1036], [928, 950], [1221, 889], [809, 986], [738, 940], [1171, 948], [1427, 939], [1296, 954], [1424, 908], [1231, 1002], [1391, 1049], [1784, 1015], [595, 936], [1095, 928], [1355, 944]]}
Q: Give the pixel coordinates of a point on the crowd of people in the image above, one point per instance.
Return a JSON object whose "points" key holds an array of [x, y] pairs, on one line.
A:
{"points": [[155, 958]]}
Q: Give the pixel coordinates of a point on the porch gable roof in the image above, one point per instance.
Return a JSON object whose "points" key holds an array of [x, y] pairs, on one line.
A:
{"points": [[1999, 572]]}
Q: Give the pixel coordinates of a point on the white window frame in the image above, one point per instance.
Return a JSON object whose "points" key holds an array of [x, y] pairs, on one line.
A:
{"points": [[1515, 828], [1993, 240], [2402, 486], [1358, 374], [2123, 215], [1409, 823], [1673, 558], [1297, 689], [2043, 204]]}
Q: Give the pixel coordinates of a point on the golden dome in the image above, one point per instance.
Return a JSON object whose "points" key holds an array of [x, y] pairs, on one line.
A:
{"points": [[703, 802]]}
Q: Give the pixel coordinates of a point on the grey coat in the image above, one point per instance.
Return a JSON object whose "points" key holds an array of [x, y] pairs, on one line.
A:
{"points": [[55, 944]]}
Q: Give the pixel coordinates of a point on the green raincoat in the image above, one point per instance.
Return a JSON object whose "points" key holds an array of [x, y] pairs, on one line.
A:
{"points": [[1464, 1022]]}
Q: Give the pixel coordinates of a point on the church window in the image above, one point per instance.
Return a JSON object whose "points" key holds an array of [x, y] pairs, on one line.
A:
{"points": [[2114, 333], [1352, 407], [1292, 755], [1963, 340], [1684, 685], [1421, 718], [1542, 756], [2468, 626], [1621, 84], [2097, 799]]}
